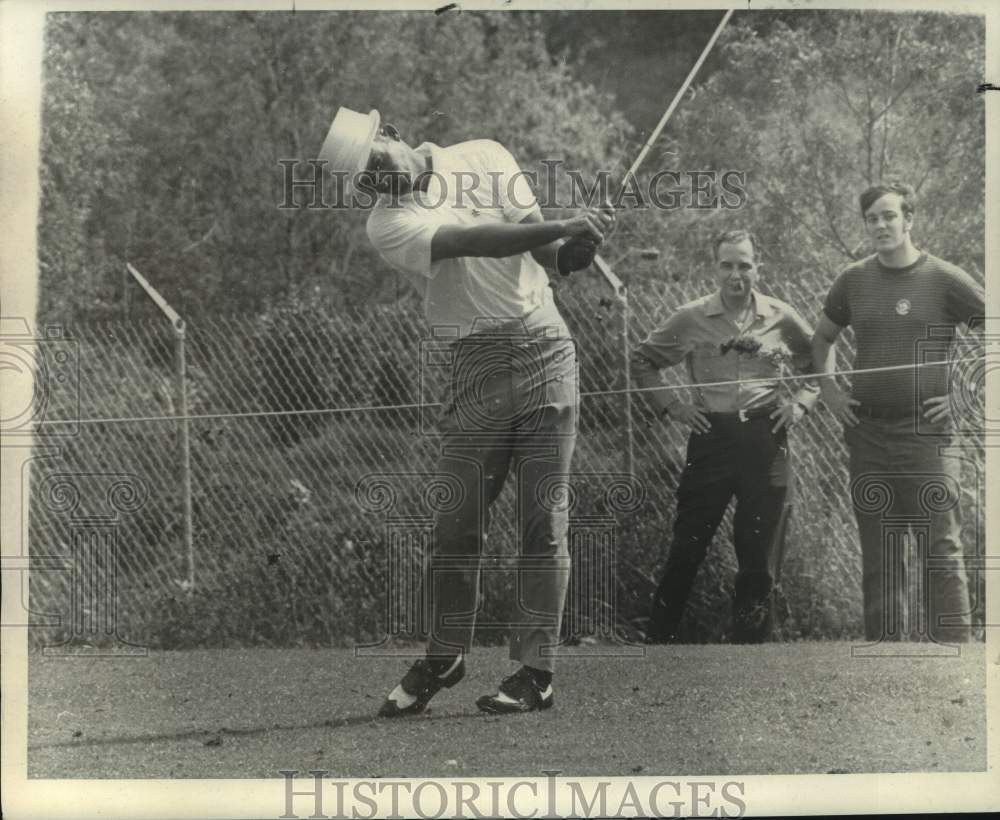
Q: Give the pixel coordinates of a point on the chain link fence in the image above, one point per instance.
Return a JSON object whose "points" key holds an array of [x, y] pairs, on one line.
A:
{"points": [[311, 527]]}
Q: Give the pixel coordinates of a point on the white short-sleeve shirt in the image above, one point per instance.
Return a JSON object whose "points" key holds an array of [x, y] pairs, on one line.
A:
{"points": [[471, 182]]}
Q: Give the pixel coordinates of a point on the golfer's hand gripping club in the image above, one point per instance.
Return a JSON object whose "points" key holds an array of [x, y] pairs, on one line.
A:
{"points": [[586, 232]]}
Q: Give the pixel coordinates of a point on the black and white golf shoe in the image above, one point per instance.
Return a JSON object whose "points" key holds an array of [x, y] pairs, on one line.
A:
{"points": [[519, 692], [425, 679]]}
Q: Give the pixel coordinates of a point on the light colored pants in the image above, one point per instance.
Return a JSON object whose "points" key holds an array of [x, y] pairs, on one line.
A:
{"points": [[512, 411], [901, 487]]}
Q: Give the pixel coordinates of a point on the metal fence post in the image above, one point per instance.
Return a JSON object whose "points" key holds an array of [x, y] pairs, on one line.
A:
{"points": [[621, 291], [627, 395], [180, 367]]}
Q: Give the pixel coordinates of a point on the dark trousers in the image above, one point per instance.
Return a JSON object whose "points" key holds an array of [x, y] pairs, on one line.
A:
{"points": [[736, 458]]}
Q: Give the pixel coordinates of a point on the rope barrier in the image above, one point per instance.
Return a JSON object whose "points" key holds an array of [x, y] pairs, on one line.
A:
{"points": [[418, 405]]}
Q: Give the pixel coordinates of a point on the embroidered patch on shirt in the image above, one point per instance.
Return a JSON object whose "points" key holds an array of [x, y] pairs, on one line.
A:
{"points": [[903, 307]]}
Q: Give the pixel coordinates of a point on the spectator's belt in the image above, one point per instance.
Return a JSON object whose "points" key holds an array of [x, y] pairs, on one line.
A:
{"points": [[744, 415], [867, 411]]}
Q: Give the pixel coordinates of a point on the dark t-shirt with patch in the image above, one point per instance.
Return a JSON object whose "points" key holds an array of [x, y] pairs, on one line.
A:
{"points": [[902, 316]]}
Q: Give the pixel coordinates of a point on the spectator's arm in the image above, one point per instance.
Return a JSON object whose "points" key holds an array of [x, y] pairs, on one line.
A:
{"points": [[663, 348], [799, 337], [824, 356]]}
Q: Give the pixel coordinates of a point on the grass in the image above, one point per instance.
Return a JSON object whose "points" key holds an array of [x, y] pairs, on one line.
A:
{"points": [[680, 710]]}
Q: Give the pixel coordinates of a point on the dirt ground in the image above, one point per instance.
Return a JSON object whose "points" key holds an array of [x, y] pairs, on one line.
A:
{"points": [[678, 710]]}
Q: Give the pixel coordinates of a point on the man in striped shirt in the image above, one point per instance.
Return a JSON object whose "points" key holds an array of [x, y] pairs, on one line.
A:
{"points": [[904, 306]]}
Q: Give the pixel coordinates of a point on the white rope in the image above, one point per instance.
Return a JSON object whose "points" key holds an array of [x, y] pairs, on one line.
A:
{"points": [[417, 405]]}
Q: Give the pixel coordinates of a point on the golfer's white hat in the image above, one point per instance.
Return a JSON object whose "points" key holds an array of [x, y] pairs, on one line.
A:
{"points": [[348, 143]]}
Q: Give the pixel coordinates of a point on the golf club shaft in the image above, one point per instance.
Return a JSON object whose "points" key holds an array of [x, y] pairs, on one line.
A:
{"points": [[599, 263], [677, 98]]}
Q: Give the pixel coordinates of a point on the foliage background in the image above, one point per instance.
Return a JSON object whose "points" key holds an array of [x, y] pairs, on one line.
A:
{"points": [[161, 135]]}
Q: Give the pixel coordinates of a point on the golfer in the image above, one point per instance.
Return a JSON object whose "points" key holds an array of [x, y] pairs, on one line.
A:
{"points": [[462, 225], [904, 305], [738, 445]]}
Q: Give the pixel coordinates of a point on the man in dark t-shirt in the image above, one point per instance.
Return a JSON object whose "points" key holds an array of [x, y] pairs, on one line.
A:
{"points": [[904, 306]]}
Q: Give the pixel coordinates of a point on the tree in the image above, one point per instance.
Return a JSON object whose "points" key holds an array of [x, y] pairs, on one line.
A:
{"points": [[189, 114], [813, 115]]}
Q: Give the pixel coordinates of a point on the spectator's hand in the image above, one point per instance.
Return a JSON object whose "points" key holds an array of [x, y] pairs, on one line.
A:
{"points": [[787, 416], [575, 254], [840, 404], [692, 416], [937, 409]]}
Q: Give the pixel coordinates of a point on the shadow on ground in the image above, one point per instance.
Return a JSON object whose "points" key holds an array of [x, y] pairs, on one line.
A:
{"points": [[679, 710]]}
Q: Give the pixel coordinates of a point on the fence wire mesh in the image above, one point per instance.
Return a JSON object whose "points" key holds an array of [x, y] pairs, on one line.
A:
{"points": [[313, 527]]}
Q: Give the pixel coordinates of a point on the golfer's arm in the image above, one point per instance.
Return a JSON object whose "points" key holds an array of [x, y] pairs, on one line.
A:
{"points": [[824, 351], [545, 255], [495, 240]]}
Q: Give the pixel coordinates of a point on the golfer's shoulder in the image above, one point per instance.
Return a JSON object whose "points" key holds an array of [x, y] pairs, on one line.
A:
{"points": [[386, 223], [483, 154], [378, 220]]}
